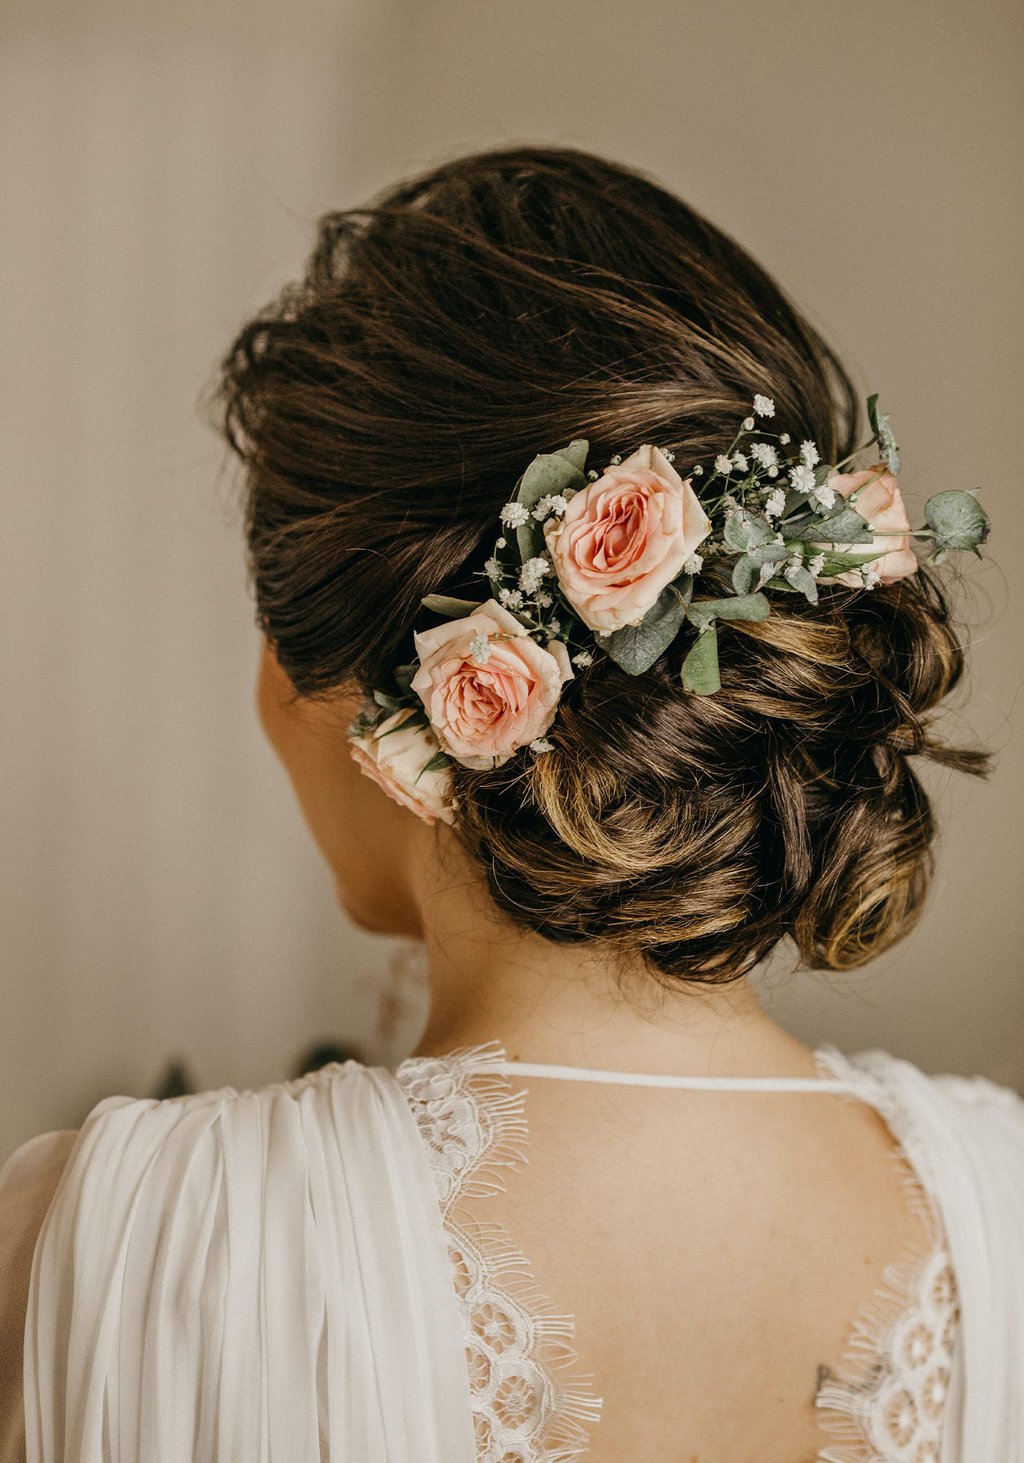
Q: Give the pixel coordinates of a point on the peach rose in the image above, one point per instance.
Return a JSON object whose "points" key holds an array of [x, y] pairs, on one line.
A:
{"points": [[624, 537], [484, 709], [881, 506], [394, 756]]}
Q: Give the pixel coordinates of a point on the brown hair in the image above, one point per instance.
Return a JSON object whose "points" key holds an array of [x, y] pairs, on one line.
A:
{"points": [[386, 404]]}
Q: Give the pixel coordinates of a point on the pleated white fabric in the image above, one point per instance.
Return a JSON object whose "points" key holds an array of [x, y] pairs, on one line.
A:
{"points": [[254, 1277]]}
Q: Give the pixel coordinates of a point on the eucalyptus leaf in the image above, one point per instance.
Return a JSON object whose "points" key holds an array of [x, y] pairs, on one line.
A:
{"points": [[415, 718], [744, 572], [802, 579], [530, 539], [958, 519], [446, 604], [745, 530], [836, 563], [636, 647], [702, 612], [549, 472], [844, 525], [699, 672], [576, 453], [403, 676], [752, 565]]}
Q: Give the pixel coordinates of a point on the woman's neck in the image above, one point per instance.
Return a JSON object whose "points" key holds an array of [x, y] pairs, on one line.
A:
{"points": [[572, 1004]]}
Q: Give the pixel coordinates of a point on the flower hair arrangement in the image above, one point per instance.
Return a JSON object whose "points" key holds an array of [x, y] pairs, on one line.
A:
{"points": [[609, 560]]}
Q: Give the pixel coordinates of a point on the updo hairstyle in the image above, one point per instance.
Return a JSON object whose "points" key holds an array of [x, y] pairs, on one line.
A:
{"points": [[384, 407]]}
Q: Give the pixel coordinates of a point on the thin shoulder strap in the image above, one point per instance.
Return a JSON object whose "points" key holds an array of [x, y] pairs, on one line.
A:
{"points": [[651, 1079]]}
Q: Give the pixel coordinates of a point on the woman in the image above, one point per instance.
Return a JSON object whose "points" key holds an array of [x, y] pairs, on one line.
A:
{"points": [[609, 1207]]}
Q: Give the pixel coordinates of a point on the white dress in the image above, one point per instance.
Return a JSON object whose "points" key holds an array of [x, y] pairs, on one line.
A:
{"points": [[286, 1276]]}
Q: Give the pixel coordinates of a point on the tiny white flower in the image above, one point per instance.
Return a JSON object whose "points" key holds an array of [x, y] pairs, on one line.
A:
{"points": [[668, 456], [723, 464], [748, 424], [501, 542], [492, 568], [729, 501], [480, 648], [774, 503], [511, 598], [593, 474], [543, 598], [795, 559], [583, 657], [532, 573], [764, 454], [783, 438], [823, 496], [554, 626], [614, 461], [870, 575], [697, 471], [802, 478], [764, 406], [809, 453], [550, 503], [541, 744], [739, 462], [693, 564], [773, 472], [816, 563], [513, 515]]}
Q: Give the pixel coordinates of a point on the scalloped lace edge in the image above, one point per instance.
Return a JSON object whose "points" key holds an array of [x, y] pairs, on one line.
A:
{"points": [[844, 1395], [570, 1404]]}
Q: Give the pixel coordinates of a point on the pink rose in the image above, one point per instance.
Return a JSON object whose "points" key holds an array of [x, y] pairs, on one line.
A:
{"points": [[394, 756], [881, 506], [623, 538], [484, 708]]}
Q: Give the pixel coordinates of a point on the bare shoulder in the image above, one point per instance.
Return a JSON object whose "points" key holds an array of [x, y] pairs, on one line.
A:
{"points": [[28, 1182]]}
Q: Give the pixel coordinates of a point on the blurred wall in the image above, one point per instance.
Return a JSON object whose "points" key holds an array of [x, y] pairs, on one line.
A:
{"points": [[161, 170]]}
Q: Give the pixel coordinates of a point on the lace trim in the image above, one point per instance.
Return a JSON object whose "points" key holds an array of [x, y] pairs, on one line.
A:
{"points": [[885, 1402], [528, 1405]]}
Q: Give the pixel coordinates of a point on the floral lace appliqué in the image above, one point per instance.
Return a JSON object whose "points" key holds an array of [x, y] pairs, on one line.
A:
{"points": [[885, 1403], [528, 1407]]}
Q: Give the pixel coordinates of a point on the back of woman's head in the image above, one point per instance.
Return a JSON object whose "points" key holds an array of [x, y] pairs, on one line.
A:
{"points": [[385, 406]]}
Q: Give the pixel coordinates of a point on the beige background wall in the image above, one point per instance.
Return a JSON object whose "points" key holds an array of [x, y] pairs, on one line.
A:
{"points": [[160, 175]]}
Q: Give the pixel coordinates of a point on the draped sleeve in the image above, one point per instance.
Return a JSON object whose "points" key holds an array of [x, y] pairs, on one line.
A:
{"points": [[247, 1277]]}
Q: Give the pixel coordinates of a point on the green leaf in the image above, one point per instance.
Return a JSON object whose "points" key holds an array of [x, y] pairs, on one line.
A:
{"points": [[383, 699], [403, 675], [844, 525], [437, 763], [883, 434], [744, 572], [702, 612], [446, 604], [576, 453], [745, 530], [699, 672], [838, 563], [802, 579], [958, 519], [749, 566], [636, 647], [549, 472]]}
